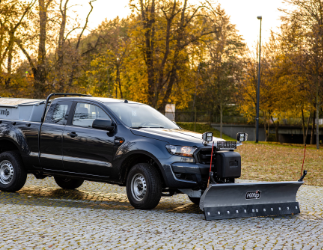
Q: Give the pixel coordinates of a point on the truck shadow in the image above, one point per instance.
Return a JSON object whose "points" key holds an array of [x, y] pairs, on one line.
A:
{"points": [[56, 197]]}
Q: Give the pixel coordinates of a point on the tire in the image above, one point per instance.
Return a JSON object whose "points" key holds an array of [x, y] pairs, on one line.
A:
{"points": [[196, 201], [144, 186], [12, 172], [68, 183]]}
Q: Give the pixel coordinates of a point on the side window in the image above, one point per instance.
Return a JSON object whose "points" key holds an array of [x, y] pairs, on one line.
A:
{"points": [[57, 113], [86, 113]]}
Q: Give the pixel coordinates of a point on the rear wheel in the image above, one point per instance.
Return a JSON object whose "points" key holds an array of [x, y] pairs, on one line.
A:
{"points": [[144, 186], [68, 183], [12, 173], [196, 201]]}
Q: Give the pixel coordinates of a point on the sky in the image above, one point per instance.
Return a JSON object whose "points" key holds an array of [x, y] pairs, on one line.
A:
{"points": [[243, 14]]}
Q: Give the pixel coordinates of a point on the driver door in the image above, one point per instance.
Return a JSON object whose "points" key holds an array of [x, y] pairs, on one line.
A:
{"points": [[87, 150], [51, 135]]}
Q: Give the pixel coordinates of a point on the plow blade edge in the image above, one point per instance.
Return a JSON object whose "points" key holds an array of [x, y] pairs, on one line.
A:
{"points": [[234, 200]]}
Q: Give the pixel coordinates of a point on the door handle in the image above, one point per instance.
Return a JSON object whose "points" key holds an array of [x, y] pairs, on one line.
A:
{"points": [[72, 134]]}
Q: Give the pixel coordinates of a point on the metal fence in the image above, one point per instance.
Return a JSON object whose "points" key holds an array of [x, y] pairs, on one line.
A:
{"points": [[190, 116], [187, 116]]}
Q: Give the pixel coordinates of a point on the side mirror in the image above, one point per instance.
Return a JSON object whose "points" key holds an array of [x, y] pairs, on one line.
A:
{"points": [[103, 124]]}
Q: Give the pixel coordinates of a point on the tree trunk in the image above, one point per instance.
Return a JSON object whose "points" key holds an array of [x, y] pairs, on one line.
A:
{"points": [[118, 80], [221, 113], [161, 80], [60, 49], [175, 57], [211, 112], [313, 128], [40, 76], [40, 73], [317, 115], [9, 66], [195, 119], [268, 130], [303, 126], [317, 125], [169, 86], [9, 59], [276, 130], [265, 129], [148, 19], [308, 123]]}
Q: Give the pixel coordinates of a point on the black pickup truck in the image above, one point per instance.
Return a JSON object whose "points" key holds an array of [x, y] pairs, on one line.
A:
{"points": [[79, 138]]}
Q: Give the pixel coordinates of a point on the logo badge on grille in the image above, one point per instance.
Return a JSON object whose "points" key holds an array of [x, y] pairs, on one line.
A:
{"points": [[253, 195]]}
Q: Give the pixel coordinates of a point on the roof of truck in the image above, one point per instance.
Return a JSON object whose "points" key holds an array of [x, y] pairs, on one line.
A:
{"points": [[99, 99], [15, 102]]}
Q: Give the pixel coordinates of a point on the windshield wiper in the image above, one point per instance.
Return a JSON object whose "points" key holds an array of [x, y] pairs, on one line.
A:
{"points": [[145, 127]]}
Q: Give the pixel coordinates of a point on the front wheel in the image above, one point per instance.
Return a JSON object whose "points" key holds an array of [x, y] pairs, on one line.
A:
{"points": [[68, 183], [144, 186], [12, 173]]}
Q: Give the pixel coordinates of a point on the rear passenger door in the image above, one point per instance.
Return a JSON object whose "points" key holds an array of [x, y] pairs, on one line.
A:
{"points": [[51, 136], [85, 149]]}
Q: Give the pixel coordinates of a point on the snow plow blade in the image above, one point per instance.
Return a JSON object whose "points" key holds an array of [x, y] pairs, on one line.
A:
{"points": [[238, 200]]}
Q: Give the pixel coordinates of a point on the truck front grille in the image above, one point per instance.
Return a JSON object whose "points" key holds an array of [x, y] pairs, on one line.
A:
{"points": [[204, 156]]}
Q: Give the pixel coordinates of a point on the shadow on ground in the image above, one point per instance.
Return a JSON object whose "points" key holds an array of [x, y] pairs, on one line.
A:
{"points": [[56, 197]]}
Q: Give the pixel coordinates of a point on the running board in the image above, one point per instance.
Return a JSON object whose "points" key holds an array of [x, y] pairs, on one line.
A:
{"points": [[236, 200]]}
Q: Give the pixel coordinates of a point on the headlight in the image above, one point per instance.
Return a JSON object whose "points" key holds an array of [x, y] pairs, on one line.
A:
{"points": [[181, 150]]}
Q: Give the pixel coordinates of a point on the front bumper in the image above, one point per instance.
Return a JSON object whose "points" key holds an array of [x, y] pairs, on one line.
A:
{"points": [[185, 175], [181, 173], [197, 173]]}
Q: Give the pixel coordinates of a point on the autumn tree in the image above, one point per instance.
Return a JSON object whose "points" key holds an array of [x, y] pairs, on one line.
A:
{"points": [[14, 16], [222, 64], [166, 30], [304, 27], [52, 53], [108, 66], [278, 79]]}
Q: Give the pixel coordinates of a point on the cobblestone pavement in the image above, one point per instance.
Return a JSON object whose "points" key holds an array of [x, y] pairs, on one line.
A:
{"points": [[99, 216]]}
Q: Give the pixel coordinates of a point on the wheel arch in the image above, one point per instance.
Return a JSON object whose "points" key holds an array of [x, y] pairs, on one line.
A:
{"points": [[8, 144], [140, 156]]}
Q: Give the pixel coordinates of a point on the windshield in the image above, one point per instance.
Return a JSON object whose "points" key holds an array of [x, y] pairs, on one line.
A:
{"points": [[136, 115]]}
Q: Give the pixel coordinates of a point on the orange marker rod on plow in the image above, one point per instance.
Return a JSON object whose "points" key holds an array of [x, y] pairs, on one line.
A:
{"points": [[208, 182]]}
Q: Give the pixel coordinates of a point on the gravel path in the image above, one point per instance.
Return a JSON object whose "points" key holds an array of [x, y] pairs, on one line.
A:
{"points": [[99, 216]]}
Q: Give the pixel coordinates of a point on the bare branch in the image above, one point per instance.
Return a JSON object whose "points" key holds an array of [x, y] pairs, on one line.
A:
{"points": [[32, 65], [85, 25]]}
